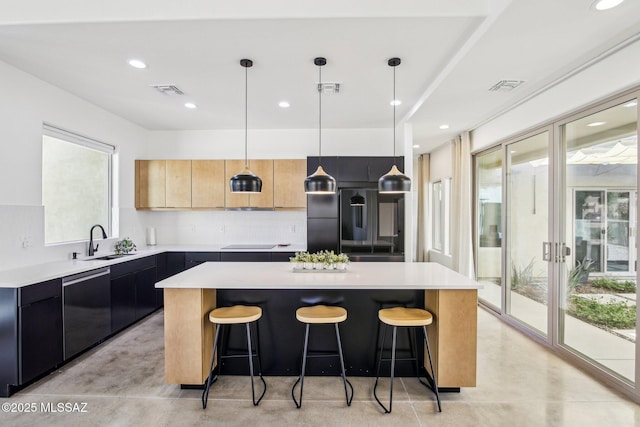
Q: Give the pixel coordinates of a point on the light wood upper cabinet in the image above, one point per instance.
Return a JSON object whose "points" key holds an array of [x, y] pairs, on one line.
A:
{"points": [[288, 183], [234, 200], [264, 169], [207, 183], [178, 184], [150, 183], [204, 184]]}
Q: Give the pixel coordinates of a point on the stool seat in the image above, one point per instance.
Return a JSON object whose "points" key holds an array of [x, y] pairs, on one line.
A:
{"points": [[321, 314], [401, 316], [235, 314]]}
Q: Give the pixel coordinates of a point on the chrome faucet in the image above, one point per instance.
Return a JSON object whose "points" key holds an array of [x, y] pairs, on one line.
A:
{"points": [[93, 250]]}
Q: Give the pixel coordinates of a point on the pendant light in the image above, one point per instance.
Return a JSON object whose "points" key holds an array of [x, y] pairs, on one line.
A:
{"points": [[357, 200], [394, 181], [245, 181], [320, 182]]}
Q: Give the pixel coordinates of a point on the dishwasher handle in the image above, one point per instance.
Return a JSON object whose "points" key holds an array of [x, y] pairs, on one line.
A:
{"points": [[82, 277]]}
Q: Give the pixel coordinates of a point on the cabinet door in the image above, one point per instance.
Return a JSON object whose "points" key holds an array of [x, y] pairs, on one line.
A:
{"points": [[234, 200], [288, 183], [178, 187], [353, 169], [207, 183], [146, 301], [40, 337], [123, 302], [264, 169], [150, 184]]}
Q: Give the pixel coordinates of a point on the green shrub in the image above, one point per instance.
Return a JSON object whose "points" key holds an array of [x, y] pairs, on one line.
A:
{"points": [[522, 276], [614, 315], [614, 285]]}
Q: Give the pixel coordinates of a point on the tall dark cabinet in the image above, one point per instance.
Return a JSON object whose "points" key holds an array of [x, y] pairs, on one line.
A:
{"points": [[323, 211]]}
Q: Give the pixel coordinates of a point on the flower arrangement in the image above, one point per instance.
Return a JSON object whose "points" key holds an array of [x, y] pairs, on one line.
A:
{"points": [[323, 260], [124, 246]]}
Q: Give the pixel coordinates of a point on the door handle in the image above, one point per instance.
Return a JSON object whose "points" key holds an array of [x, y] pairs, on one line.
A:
{"points": [[546, 251]]}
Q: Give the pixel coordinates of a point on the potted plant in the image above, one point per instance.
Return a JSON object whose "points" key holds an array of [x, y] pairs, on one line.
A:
{"points": [[342, 260], [297, 261], [124, 246]]}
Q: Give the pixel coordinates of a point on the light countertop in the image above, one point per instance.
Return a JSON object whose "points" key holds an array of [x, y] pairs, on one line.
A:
{"points": [[36, 273], [280, 275]]}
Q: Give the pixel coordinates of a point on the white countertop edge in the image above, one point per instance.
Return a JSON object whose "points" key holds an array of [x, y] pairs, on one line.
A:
{"points": [[37, 273], [362, 275]]}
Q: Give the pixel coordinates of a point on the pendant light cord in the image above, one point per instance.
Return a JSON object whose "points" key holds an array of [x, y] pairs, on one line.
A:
{"points": [[394, 114], [320, 115], [246, 97]]}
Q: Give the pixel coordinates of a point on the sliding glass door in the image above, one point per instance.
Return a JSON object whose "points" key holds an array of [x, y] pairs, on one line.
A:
{"points": [[597, 305], [527, 230], [556, 235]]}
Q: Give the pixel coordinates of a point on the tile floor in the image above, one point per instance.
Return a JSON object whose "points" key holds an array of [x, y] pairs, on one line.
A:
{"points": [[520, 383]]}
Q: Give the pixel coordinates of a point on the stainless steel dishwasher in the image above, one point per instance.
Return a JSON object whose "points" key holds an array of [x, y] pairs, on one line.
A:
{"points": [[86, 310]]}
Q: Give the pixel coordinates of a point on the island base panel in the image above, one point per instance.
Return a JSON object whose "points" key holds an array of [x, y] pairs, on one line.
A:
{"points": [[453, 336], [188, 334]]}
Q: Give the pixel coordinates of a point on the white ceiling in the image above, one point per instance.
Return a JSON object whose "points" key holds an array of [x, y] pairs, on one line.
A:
{"points": [[451, 52]]}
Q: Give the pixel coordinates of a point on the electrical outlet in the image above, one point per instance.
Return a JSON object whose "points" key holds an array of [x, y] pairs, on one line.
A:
{"points": [[27, 241], [292, 229], [221, 229]]}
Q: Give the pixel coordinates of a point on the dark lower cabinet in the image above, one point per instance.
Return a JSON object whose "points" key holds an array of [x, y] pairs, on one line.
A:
{"points": [[145, 281], [40, 325], [123, 302], [191, 259], [245, 256], [169, 263], [133, 292], [31, 339]]}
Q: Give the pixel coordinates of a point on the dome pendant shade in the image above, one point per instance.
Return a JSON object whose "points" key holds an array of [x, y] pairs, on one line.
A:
{"points": [[320, 182], [245, 182], [394, 182], [357, 200]]}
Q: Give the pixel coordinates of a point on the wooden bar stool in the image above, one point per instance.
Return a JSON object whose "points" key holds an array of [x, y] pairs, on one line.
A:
{"points": [[405, 317], [321, 314], [235, 315]]}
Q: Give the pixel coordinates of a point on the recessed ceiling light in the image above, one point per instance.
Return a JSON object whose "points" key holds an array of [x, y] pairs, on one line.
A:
{"points": [[631, 104], [416, 146], [136, 63], [605, 4], [594, 124], [284, 104], [190, 105], [443, 127], [395, 102]]}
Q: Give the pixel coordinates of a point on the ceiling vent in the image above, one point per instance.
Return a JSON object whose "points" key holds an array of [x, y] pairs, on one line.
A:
{"points": [[505, 85], [168, 89], [329, 88]]}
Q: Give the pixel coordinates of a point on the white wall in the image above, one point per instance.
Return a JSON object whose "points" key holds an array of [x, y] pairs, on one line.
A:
{"points": [[268, 143], [615, 73], [26, 103]]}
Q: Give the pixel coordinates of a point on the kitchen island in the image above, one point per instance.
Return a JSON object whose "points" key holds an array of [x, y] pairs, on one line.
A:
{"points": [[362, 290]]}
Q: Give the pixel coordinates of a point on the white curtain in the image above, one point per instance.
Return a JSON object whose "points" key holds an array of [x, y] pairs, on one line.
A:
{"points": [[423, 195], [461, 206]]}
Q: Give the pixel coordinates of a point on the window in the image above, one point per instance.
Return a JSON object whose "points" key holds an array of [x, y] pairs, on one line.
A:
{"points": [[440, 191], [76, 185]]}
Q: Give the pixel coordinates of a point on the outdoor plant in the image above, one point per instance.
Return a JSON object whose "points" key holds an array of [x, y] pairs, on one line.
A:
{"points": [[614, 285], [579, 274], [522, 276], [614, 315], [124, 246]]}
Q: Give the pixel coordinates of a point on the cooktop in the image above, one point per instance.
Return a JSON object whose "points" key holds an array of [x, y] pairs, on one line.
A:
{"points": [[249, 246]]}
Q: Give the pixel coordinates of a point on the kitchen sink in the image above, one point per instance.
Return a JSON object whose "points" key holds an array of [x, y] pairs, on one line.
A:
{"points": [[107, 257]]}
